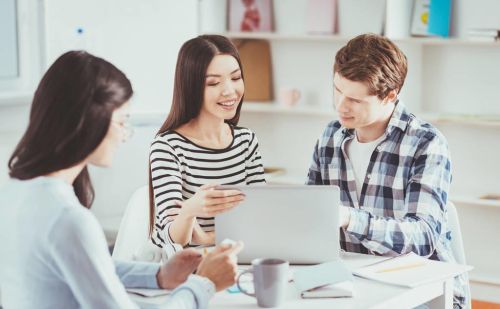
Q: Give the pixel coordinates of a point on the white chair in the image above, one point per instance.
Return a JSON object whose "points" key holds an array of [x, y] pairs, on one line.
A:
{"points": [[457, 245], [132, 241]]}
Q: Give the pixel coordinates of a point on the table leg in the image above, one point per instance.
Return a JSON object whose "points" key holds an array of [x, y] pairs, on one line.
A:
{"points": [[445, 301]]}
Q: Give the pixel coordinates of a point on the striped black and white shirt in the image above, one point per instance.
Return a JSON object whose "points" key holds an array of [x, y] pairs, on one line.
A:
{"points": [[179, 167]]}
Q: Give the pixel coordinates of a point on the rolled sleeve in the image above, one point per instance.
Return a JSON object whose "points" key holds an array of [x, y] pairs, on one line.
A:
{"points": [[358, 223], [137, 274], [202, 289]]}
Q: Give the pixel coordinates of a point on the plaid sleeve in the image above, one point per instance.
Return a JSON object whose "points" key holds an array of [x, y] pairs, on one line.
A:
{"points": [[314, 174], [426, 196]]}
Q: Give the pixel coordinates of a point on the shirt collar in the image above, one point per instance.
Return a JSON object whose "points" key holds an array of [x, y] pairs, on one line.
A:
{"points": [[399, 119]]}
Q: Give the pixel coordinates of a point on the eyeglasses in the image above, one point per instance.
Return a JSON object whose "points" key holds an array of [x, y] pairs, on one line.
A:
{"points": [[127, 129]]}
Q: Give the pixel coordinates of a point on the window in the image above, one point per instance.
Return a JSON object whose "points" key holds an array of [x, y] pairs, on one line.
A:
{"points": [[9, 67], [21, 48]]}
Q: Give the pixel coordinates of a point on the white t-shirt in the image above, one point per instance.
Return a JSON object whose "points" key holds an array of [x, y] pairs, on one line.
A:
{"points": [[359, 154]]}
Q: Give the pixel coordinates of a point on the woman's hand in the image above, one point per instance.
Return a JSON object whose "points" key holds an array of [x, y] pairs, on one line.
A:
{"points": [[209, 202]]}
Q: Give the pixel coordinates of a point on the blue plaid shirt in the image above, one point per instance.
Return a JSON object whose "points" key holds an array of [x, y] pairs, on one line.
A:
{"points": [[402, 204]]}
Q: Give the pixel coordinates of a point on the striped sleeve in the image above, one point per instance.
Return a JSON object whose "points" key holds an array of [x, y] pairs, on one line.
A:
{"points": [[253, 163], [167, 187]]}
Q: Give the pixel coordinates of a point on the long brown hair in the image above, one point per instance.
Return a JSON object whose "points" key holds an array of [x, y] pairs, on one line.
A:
{"points": [[70, 116], [189, 86]]}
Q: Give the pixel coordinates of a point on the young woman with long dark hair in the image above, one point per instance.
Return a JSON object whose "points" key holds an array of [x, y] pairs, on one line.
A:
{"points": [[54, 254], [200, 145]]}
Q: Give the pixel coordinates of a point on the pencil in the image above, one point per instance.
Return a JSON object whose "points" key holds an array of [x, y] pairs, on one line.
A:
{"points": [[386, 270]]}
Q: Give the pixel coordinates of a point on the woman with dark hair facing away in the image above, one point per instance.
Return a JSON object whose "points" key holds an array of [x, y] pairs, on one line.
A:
{"points": [[54, 254], [200, 145]]}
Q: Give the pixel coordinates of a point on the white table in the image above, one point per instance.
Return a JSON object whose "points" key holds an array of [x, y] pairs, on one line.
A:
{"points": [[367, 294]]}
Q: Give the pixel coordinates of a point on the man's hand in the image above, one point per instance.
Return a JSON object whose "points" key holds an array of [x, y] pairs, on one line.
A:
{"points": [[344, 216], [220, 265], [177, 269]]}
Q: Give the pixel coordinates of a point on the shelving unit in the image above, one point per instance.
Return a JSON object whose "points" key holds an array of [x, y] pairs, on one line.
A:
{"points": [[276, 108], [431, 41], [452, 83], [437, 118]]}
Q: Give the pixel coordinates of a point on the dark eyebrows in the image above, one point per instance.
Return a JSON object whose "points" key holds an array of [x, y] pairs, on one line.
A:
{"points": [[217, 75]]}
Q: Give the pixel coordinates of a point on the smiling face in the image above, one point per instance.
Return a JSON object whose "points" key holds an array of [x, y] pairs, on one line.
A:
{"points": [[224, 88], [356, 108]]}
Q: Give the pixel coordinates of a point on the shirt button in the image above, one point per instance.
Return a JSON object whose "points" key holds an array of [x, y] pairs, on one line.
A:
{"points": [[368, 176], [379, 148]]}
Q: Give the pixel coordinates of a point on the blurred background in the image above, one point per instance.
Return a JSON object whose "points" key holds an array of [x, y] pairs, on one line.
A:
{"points": [[287, 48]]}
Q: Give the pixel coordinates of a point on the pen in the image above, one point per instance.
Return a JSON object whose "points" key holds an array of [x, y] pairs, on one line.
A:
{"points": [[386, 270]]}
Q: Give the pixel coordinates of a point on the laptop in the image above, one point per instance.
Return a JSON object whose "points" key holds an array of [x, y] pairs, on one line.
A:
{"points": [[296, 223]]}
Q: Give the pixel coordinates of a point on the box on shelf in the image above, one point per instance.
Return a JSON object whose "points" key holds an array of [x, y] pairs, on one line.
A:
{"points": [[321, 16], [256, 61], [360, 16]]}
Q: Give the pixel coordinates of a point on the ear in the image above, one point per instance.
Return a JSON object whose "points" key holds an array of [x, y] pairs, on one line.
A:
{"points": [[391, 96]]}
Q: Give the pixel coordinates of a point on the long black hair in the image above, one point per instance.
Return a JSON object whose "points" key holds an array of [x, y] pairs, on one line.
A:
{"points": [[70, 116], [189, 86]]}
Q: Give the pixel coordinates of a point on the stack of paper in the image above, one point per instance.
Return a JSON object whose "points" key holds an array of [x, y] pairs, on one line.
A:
{"points": [[411, 270], [484, 34], [332, 279]]}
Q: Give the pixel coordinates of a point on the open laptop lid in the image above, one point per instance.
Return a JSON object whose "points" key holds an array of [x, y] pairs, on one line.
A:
{"points": [[296, 223]]}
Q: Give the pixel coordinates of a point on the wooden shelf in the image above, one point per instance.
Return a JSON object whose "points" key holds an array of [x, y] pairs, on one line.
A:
{"points": [[276, 108], [292, 179], [476, 276], [474, 201], [426, 41], [436, 118], [479, 120], [273, 108]]}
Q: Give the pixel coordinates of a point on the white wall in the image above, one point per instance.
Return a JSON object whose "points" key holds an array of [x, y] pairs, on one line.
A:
{"points": [[142, 38]]}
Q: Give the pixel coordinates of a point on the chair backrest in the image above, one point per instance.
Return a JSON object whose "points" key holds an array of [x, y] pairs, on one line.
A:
{"points": [[132, 242], [457, 245]]}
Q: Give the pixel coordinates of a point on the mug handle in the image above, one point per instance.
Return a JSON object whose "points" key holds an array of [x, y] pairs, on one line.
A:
{"points": [[248, 271]]}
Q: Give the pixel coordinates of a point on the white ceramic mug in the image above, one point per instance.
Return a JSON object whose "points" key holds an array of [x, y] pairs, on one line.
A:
{"points": [[289, 96]]}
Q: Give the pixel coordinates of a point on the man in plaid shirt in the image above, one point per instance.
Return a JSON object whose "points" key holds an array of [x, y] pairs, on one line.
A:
{"points": [[393, 169]]}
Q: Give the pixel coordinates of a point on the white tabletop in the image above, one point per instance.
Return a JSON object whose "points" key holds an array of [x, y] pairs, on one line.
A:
{"points": [[367, 294]]}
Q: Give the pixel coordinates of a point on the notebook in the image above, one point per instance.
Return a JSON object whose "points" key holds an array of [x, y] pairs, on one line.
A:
{"points": [[410, 270], [331, 279], [341, 289]]}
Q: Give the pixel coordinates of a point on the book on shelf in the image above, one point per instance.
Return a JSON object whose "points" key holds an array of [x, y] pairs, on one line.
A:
{"points": [[431, 18], [484, 34], [331, 279], [489, 32]]}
